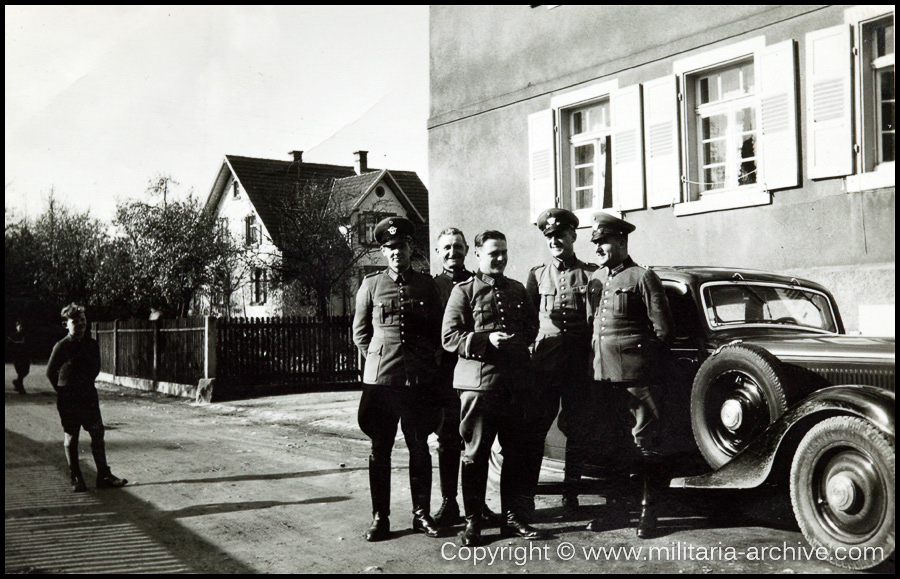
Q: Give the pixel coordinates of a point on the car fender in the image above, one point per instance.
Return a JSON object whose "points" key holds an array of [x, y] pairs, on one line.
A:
{"points": [[752, 466]]}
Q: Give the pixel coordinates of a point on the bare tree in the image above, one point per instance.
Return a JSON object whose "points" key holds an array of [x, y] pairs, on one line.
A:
{"points": [[317, 235]]}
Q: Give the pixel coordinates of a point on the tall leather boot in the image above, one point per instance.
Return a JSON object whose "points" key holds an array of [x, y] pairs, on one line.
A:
{"points": [[474, 487], [448, 467], [516, 495], [647, 523], [420, 486], [380, 488], [572, 476]]}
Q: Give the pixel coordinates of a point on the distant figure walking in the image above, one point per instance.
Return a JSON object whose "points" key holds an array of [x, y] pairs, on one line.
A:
{"points": [[20, 356], [72, 369]]}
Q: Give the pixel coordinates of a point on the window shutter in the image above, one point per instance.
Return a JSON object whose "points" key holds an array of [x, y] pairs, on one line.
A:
{"points": [[661, 141], [540, 155], [627, 151], [828, 102], [778, 116]]}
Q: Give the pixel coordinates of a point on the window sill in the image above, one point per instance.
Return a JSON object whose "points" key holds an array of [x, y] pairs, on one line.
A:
{"points": [[725, 200], [879, 179]]}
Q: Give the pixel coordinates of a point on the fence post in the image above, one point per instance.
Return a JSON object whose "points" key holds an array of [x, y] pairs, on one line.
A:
{"points": [[210, 342], [155, 349], [115, 347]]}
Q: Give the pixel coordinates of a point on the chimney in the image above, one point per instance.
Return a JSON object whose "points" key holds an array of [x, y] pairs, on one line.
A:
{"points": [[298, 156], [362, 162]]}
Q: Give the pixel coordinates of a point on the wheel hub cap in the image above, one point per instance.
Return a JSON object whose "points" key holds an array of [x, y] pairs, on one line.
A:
{"points": [[732, 414], [841, 492]]}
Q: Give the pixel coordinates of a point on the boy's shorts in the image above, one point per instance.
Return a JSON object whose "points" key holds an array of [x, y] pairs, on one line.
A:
{"points": [[76, 412]]}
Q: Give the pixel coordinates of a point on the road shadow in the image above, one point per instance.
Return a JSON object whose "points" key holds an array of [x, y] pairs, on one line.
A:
{"points": [[254, 477], [48, 528]]}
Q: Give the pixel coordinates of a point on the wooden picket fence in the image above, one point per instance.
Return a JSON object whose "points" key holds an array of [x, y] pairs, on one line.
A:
{"points": [[241, 353], [298, 350]]}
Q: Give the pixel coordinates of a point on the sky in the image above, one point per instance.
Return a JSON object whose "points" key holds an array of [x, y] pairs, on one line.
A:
{"points": [[100, 99]]}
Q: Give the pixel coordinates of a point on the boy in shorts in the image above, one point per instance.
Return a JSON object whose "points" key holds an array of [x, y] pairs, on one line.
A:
{"points": [[72, 369]]}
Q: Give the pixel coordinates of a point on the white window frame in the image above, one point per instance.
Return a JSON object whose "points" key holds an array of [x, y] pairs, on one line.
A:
{"points": [[563, 105], [688, 70], [870, 174]]}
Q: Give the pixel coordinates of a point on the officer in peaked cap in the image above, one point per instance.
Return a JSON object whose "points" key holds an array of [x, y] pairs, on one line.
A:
{"points": [[394, 230], [562, 350], [396, 327], [606, 224], [631, 331]]}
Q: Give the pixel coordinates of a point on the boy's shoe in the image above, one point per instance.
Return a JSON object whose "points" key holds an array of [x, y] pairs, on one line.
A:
{"points": [[107, 480], [19, 386], [78, 484]]}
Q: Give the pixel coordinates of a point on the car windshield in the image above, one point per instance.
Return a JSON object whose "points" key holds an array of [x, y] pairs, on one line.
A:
{"points": [[748, 303]]}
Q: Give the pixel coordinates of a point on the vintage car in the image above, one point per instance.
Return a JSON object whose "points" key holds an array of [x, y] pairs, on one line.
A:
{"points": [[769, 385]]}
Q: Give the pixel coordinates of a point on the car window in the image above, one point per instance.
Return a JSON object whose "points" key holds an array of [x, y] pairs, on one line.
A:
{"points": [[729, 304]]}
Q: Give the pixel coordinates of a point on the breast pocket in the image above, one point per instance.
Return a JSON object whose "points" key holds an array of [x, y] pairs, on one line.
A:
{"points": [[548, 296], [626, 302], [484, 318]]}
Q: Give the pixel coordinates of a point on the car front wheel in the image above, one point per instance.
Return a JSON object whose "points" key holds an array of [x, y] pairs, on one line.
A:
{"points": [[737, 393], [842, 490]]}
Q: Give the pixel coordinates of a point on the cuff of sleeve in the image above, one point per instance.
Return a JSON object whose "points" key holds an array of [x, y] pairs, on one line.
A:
{"points": [[477, 344]]}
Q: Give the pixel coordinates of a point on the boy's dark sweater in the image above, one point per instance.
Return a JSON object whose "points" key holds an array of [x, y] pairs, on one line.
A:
{"points": [[74, 365]]}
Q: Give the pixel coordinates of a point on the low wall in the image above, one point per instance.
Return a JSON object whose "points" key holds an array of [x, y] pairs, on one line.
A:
{"points": [[183, 390]]}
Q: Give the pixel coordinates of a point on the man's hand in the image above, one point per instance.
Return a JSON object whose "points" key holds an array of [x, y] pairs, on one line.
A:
{"points": [[502, 340]]}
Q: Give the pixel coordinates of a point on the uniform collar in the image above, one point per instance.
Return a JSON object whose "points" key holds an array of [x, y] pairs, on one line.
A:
{"points": [[457, 275], [497, 281], [626, 263], [399, 277], [564, 264]]}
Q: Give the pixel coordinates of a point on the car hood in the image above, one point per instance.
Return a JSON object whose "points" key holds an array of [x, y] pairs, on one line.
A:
{"points": [[826, 347]]}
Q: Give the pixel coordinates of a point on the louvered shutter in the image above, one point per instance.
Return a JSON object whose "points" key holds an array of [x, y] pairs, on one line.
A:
{"points": [[627, 150], [540, 155], [828, 102], [661, 141], [778, 116]]}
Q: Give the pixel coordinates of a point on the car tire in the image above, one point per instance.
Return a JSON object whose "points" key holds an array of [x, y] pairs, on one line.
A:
{"points": [[736, 394], [843, 491]]}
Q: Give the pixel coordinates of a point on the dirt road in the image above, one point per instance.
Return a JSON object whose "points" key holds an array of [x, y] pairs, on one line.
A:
{"points": [[279, 485]]}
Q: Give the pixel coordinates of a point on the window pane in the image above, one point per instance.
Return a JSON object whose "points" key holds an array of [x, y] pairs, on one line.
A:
{"points": [[884, 39], [748, 119], [584, 155], [731, 83], [577, 123], [584, 177], [714, 178], [748, 147], [708, 89], [714, 152], [748, 173], [887, 147], [584, 199], [887, 85], [714, 127]]}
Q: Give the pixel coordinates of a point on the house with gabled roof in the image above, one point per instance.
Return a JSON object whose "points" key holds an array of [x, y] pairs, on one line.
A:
{"points": [[246, 197]]}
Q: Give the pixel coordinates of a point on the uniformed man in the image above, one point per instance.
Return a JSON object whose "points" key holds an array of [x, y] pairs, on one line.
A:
{"points": [[632, 329], [397, 328], [452, 248], [562, 351], [489, 323]]}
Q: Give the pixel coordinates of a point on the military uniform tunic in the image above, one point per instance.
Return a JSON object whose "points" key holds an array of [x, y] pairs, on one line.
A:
{"points": [[562, 357], [448, 430], [632, 327], [397, 328], [496, 385]]}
